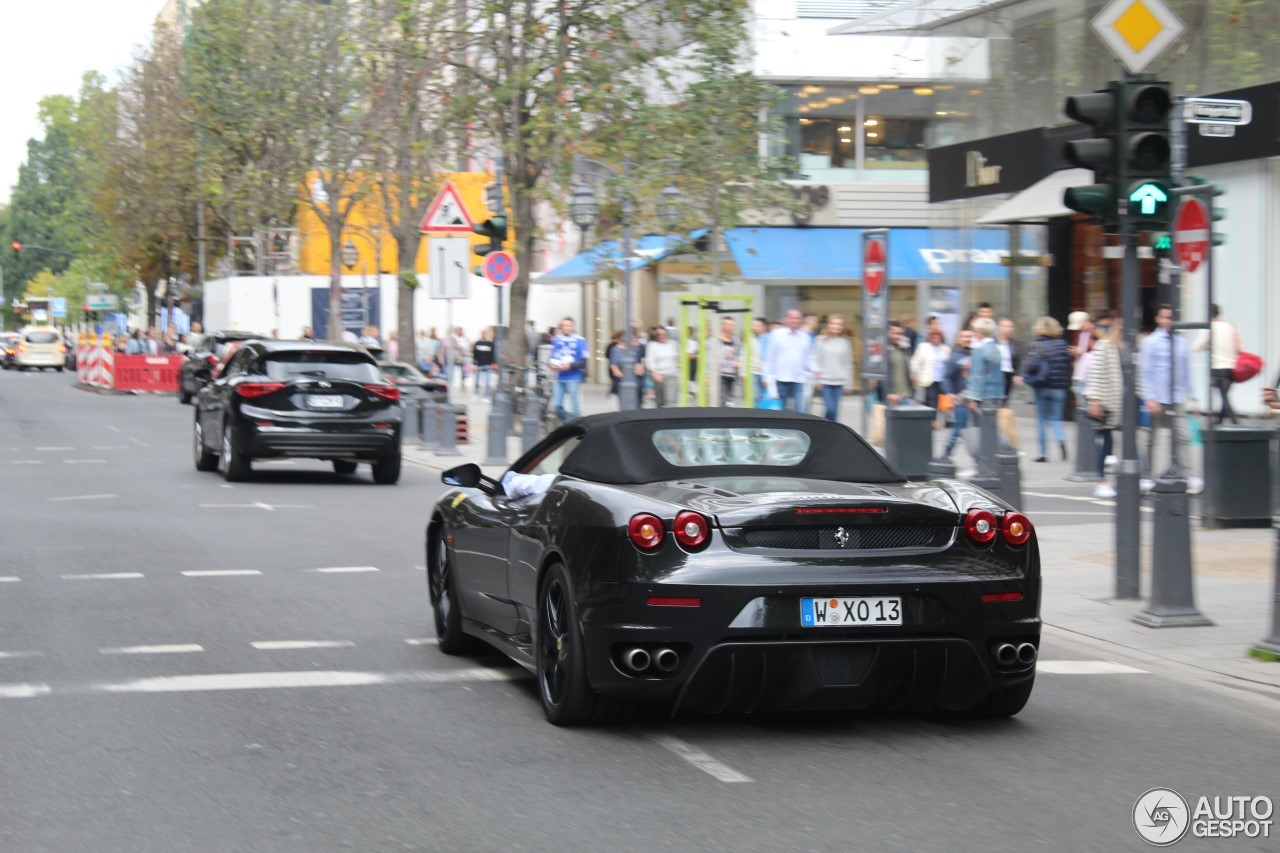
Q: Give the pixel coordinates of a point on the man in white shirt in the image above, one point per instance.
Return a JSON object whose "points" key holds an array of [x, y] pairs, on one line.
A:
{"points": [[1223, 342], [662, 362], [787, 362]]}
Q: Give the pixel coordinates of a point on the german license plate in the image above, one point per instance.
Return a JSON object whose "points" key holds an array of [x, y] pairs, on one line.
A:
{"points": [[844, 612], [325, 401]]}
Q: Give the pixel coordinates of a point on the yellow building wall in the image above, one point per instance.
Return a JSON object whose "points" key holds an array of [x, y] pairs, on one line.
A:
{"points": [[367, 230]]}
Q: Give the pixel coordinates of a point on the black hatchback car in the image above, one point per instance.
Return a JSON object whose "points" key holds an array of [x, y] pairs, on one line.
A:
{"points": [[198, 366], [299, 399]]}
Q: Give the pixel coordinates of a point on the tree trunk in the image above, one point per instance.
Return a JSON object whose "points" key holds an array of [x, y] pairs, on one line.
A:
{"points": [[334, 326], [407, 283], [522, 208]]}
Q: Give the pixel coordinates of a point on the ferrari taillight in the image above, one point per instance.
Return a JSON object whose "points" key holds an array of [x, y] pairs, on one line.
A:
{"points": [[1016, 528], [249, 390], [691, 529], [980, 526], [645, 530], [386, 392]]}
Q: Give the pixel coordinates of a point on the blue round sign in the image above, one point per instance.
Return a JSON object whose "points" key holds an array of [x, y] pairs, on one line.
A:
{"points": [[500, 267]]}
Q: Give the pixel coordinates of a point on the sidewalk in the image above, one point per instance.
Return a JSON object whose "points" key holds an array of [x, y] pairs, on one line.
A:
{"points": [[1234, 568]]}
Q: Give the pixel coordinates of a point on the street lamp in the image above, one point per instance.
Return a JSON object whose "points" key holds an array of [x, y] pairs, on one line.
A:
{"points": [[583, 210]]}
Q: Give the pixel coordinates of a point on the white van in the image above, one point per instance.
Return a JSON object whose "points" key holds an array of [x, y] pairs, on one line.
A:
{"points": [[41, 346]]}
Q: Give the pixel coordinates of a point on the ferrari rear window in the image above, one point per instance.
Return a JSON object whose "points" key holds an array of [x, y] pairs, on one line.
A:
{"points": [[697, 447]]}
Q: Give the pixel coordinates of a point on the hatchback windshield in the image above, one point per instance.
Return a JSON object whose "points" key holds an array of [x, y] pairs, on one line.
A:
{"points": [[42, 337], [298, 364]]}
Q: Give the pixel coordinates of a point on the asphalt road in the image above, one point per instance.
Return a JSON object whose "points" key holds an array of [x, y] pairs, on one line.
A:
{"points": [[191, 666]]}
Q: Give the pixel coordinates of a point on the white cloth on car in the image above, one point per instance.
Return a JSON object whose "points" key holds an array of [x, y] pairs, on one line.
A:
{"points": [[526, 485]]}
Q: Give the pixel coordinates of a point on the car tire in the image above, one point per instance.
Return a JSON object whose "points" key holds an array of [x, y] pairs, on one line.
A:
{"points": [[205, 459], [445, 604], [60, 369], [234, 465], [1003, 701], [386, 471], [561, 664], [344, 466]]}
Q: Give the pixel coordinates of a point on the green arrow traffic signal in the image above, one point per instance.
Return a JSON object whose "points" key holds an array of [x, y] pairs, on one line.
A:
{"points": [[1149, 198]]}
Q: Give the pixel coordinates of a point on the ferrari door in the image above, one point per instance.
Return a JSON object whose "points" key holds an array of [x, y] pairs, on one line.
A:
{"points": [[480, 543]]}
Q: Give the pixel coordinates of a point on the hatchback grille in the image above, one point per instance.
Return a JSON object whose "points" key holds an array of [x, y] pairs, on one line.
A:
{"points": [[853, 538]]}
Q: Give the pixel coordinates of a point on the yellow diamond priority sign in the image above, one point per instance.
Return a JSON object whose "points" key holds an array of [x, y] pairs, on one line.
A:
{"points": [[1137, 31]]}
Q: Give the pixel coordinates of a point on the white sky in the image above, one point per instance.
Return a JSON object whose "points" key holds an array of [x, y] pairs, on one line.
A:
{"points": [[47, 47]]}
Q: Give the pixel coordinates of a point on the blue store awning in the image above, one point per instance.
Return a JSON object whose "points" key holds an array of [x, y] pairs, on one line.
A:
{"points": [[594, 263], [834, 255]]}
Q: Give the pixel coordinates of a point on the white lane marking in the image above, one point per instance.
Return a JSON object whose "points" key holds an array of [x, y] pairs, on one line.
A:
{"points": [[10, 579], [105, 576], [27, 462], [111, 447], [697, 757], [55, 448], [115, 429], [24, 691], [289, 645], [84, 462], [84, 498], [421, 641], [257, 505], [221, 573], [1086, 667], [344, 569], [11, 655], [173, 649], [278, 680], [420, 568], [1061, 497], [138, 442]]}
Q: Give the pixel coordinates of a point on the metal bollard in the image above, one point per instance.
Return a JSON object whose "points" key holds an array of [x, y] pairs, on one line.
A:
{"points": [[1269, 649], [531, 423], [448, 430], [1086, 470], [908, 438], [498, 414], [1172, 595], [428, 426], [1010, 469], [988, 474]]}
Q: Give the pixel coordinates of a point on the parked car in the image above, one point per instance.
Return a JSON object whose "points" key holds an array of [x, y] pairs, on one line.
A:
{"points": [[735, 560], [42, 347], [198, 366], [414, 384], [9, 349], [298, 399]]}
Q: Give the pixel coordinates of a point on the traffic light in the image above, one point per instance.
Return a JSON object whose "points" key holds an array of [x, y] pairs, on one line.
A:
{"points": [[495, 228], [1101, 111], [1146, 155], [16, 245]]}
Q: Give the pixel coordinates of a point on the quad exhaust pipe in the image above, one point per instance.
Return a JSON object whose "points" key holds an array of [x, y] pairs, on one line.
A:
{"points": [[666, 659], [636, 660], [1023, 654]]}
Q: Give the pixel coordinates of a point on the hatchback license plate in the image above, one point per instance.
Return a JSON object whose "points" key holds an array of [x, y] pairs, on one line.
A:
{"points": [[325, 401], [843, 612]]}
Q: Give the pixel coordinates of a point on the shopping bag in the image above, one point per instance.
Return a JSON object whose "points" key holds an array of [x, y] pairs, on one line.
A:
{"points": [[1247, 366], [945, 403], [875, 433], [1195, 434], [772, 403], [1008, 425]]}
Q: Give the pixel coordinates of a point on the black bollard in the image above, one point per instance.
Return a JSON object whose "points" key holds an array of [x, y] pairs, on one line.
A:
{"points": [[1086, 470], [988, 474], [448, 430], [908, 438], [428, 424], [1172, 594], [531, 423], [1007, 462]]}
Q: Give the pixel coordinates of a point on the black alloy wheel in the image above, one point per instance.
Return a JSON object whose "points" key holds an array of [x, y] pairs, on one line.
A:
{"points": [[567, 698], [344, 466], [205, 459], [234, 466], [444, 604], [386, 471]]}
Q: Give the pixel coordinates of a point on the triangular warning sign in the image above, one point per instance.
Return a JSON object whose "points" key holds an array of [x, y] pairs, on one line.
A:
{"points": [[447, 213]]}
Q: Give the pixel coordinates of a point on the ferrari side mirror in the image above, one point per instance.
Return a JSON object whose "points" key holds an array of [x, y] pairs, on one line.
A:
{"points": [[467, 476]]}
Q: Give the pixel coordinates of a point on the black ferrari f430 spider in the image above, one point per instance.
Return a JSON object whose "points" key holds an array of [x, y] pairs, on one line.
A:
{"points": [[735, 560]]}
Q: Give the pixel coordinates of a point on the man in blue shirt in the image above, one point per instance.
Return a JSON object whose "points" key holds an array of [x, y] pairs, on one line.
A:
{"points": [[569, 361], [1165, 389], [986, 375]]}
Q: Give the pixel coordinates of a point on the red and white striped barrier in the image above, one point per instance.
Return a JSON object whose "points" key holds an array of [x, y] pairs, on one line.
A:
{"points": [[82, 361], [106, 367]]}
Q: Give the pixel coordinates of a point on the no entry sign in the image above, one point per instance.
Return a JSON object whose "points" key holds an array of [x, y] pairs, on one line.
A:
{"points": [[500, 267], [1191, 234], [873, 257]]}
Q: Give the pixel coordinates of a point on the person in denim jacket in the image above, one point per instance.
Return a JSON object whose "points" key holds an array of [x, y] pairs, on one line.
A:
{"points": [[986, 377]]}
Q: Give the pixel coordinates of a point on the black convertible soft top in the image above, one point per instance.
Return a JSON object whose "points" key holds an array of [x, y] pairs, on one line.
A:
{"points": [[617, 448]]}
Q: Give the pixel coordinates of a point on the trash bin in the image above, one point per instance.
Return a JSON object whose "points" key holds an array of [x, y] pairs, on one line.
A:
{"points": [[1237, 477], [908, 439]]}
